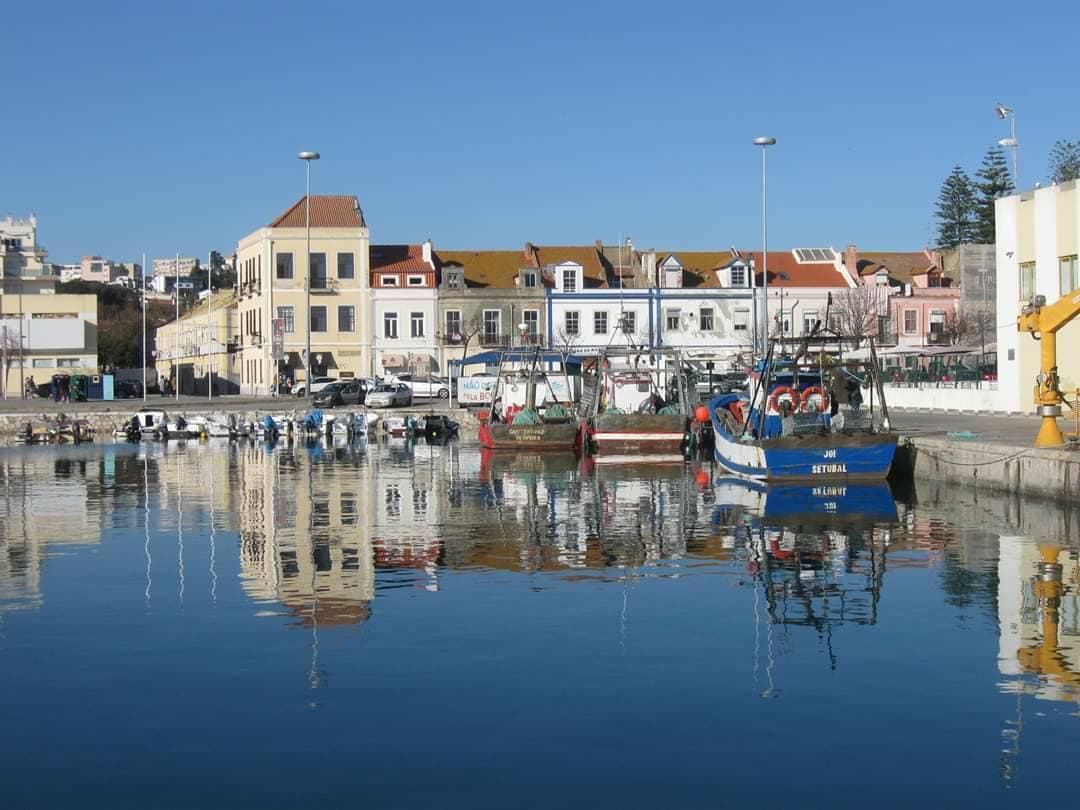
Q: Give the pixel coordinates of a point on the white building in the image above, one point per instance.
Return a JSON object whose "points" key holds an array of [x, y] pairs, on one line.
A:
{"points": [[403, 306]]}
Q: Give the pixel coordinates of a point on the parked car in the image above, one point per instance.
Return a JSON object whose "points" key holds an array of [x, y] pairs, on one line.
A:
{"points": [[127, 389], [425, 387], [317, 385], [343, 392], [389, 395]]}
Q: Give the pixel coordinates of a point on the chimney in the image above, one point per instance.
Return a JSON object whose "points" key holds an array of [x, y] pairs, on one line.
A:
{"points": [[851, 261], [531, 255], [428, 259]]}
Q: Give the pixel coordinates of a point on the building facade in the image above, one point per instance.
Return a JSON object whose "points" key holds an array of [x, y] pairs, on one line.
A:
{"points": [[404, 288], [273, 278], [198, 348], [1037, 246]]}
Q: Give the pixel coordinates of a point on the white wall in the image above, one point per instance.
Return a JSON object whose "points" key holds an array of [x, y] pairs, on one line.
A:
{"points": [[587, 305], [946, 399], [1006, 303], [405, 302]]}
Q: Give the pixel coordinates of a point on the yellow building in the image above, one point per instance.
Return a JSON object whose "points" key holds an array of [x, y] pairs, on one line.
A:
{"points": [[200, 341], [58, 335], [1037, 246], [273, 280]]}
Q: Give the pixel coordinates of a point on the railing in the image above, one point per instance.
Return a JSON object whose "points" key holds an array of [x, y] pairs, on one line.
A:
{"points": [[490, 339]]}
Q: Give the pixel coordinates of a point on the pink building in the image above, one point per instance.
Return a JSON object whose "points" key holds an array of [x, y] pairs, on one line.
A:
{"points": [[923, 302]]}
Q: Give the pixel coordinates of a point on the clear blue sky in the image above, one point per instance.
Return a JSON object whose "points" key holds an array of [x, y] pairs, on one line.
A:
{"points": [[482, 125]]}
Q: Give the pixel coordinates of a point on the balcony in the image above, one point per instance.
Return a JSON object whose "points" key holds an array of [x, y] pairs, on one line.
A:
{"points": [[491, 339], [452, 339], [320, 284], [531, 339]]}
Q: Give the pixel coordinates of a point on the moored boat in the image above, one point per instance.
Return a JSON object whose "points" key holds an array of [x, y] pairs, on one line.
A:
{"points": [[639, 405], [532, 404], [792, 425]]}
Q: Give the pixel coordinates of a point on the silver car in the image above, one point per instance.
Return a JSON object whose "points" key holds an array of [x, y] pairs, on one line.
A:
{"points": [[389, 396]]}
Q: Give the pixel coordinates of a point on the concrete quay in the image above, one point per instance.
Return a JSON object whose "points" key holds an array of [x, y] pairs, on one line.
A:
{"points": [[998, 455], [104, 417]]}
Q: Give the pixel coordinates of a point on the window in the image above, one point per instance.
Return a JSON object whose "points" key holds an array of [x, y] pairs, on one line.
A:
{"points": [[528, 278], [569, 281], [318, 319], [881, 278], [809, 320], [531, 319], [388, 281], [453, 324], [345, 265], [738, 275], [629, 322], [672, 277], [599, 323], [346, 318], [572, 324], [1027, 280], [671, 320], [705, 319], [911, 321], [416, 320], [67, 362], [1067, 268], [318, 271], [415, 281], [286, 314], [453, 279], [45, 362], [389, 322], [492, 322], [742, 320], [284, 265]]}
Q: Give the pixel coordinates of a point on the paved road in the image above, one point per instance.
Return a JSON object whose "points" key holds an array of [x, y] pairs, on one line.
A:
{"points": [[1017, 431]]}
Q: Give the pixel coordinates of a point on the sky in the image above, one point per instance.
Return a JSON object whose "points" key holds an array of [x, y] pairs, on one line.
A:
{"points": [[158, 128]]}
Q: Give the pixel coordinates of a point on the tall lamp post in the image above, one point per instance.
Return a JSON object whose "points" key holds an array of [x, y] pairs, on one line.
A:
{"points": [[1004, 112], [307, 157], [765, 143]]}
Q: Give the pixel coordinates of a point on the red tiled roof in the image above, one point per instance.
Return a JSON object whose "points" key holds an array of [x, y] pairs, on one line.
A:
{"points": [[593, 270], [786, 271], [699, 266], [327, 211], [899, 265], [398, 259]]}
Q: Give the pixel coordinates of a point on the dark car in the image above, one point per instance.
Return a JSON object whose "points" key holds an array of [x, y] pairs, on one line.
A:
{"points": [[127, 389], [350, 392]]}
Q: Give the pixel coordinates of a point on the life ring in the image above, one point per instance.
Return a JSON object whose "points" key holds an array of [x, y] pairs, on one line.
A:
{"points": [[774, 398], [815, 390]]}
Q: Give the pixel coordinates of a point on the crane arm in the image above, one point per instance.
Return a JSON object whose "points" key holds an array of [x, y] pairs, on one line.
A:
{"points": [[1043, 321]]}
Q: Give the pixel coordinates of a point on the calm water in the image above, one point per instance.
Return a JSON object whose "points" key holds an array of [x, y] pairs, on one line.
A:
{"points": [[383, 625]]}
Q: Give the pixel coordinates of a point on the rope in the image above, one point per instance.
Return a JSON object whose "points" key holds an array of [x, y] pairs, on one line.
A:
{"points": [[1001, 460]]}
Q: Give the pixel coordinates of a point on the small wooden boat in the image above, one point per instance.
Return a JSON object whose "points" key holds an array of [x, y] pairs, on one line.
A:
{"points": [[639, 405], [531, 406]]}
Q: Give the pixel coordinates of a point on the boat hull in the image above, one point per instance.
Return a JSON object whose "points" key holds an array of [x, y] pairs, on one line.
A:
{"points": [[867, 456], [637, 434], [561, 436]]}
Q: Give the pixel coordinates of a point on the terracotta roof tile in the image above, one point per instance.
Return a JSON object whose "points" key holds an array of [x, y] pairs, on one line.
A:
{"points": [[900, 265], [398, 259], [486, 268], [699, 266], [786, 271], [327, 211]]}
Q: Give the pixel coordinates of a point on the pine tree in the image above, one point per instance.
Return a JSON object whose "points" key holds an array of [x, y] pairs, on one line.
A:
{"points": [[1065, 161], [956, 210], [994, 181]]}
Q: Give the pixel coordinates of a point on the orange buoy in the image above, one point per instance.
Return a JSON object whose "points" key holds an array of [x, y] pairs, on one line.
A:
{"points": [[702, 478], [701, 414]]}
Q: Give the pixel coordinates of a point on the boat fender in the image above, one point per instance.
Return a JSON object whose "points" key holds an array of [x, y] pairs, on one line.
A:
{"points": [[809, 393], [778, 393]]}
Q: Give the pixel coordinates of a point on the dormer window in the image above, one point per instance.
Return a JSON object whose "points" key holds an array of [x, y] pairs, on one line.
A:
{"points": [[672, 277], [528, 278], [415, 281], [452, 279], [388, 281], [881, 278], [569, 280], [739, 275]]}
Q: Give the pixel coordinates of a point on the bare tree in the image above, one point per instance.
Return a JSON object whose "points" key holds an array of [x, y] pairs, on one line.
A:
{"points": [[959, 327], [9, 347], [855, 311], [470, 328]]}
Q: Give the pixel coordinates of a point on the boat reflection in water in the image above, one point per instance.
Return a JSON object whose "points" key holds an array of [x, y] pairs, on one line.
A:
{"points": [[816, 553]]}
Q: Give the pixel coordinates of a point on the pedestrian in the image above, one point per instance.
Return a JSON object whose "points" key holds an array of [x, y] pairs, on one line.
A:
{"points": [[838, 390], [54, 394]]}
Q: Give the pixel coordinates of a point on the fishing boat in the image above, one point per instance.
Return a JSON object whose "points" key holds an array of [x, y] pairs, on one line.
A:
{"points": [[638, 404], [790, 424], [532, 403]]}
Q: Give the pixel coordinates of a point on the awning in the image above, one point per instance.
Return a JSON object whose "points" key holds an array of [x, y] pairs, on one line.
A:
{"points": [[524, 356]]}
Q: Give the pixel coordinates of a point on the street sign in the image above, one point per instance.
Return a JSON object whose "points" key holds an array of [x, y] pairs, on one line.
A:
{"points": [[277, 341]]}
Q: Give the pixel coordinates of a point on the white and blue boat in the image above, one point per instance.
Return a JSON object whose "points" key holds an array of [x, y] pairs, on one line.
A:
{"points": [[786, 427]]}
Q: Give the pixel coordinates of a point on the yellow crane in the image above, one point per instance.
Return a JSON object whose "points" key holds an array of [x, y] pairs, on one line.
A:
{"points": [[1043, 321]]}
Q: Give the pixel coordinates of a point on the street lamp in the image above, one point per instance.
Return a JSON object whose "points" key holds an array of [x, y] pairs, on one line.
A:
{"points": [[1004, 112], [307, 157], [765, 143]]}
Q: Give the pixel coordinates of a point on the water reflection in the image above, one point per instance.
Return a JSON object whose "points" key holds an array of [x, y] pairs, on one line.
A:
{"points": [[314, 539]]}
